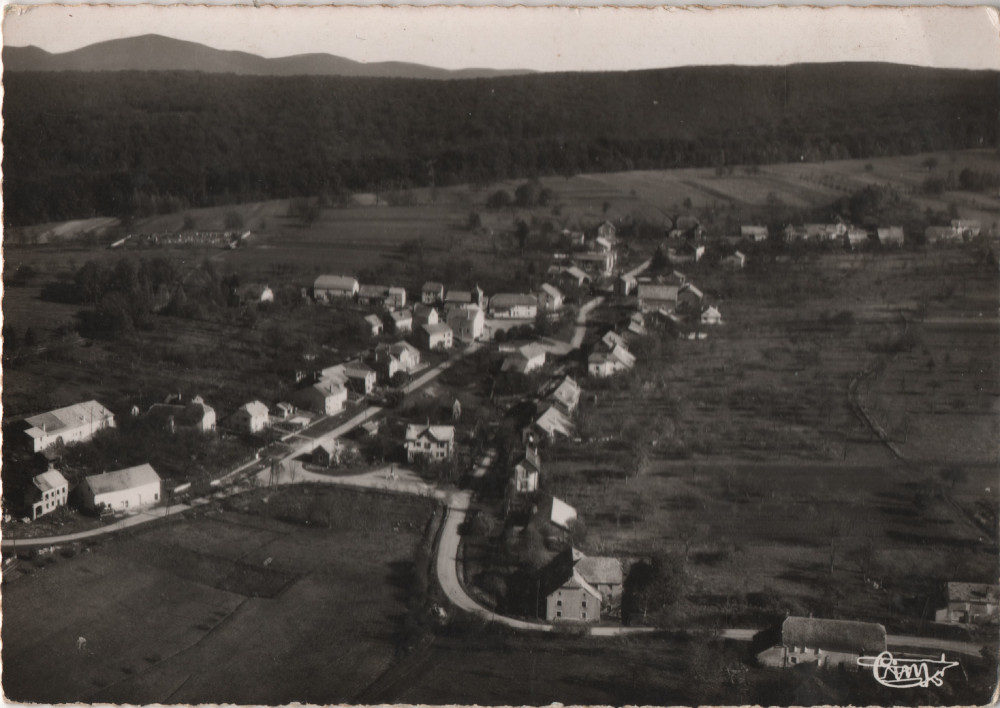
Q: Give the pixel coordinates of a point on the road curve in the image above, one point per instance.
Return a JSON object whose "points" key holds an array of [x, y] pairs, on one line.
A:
{"points": [[581, 322]]}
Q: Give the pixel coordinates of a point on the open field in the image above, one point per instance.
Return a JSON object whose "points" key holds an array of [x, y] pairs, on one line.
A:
{"points": [[224, 607]]}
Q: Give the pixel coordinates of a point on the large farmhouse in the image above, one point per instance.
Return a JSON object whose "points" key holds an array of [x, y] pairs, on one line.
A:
{"points": [[824, 642], [513, 306], [131, 488], [331, 287], [76, 423]]}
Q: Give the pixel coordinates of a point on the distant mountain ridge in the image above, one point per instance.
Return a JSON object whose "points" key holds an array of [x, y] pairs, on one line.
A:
{"points": [[153, 52]]}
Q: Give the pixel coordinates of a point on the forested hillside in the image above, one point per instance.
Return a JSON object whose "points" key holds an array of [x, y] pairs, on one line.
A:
{"points": [[130, 143]]}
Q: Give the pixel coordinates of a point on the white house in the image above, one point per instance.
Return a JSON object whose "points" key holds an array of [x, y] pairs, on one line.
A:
{"points": [[436, 442], [255, 292], [526, 471], [602, 244], [329, 287], [526, 359], [891, 236], [396, 297], [48, 492], [711, 316], [399, 356], [856, 237], [432, 293], [360, 377], [374, 324], [607, 231], [826, 643], [753, 232], [550, 298], [326, 397], [513, 306], [566, 395], [76, 423], [551, 423], [467, 323], [251, 417], [425, 314], [436, 336], [654, 297], [131, 488], [735, 261], [402, 321]]}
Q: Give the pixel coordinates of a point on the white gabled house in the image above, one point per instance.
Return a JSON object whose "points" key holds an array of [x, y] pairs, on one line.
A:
{"points": [[436, 442], [251, 417], [326, 397], [121, 490], [550, 299], [49, 491], [711, 316], [76, 423]]}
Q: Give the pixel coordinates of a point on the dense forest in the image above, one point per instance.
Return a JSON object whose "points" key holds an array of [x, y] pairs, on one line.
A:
{"points": [[136, 143]]}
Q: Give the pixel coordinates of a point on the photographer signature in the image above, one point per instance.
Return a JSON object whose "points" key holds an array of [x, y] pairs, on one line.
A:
{"points": [[906, 673]]}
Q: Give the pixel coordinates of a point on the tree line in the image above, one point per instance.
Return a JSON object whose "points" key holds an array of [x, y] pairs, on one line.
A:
{"points": [[127, 143]]}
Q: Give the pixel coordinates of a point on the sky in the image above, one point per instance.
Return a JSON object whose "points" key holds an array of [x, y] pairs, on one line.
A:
{"points": [[541, 38]]}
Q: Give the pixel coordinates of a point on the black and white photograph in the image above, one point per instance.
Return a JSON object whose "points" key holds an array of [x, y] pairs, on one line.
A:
{"points": [[500, 356]]}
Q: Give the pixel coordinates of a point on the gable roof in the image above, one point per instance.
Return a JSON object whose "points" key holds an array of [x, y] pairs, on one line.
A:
{"points": [[559, 512], [74, 416], [458, 296], [438, 433], [553, 421], [833, 635], [128, 478], [439, 328], [512, 300], [49, 480], [552, 291], [372, 291], [690, 288], [649, 291], [567, 392], [335, 282], [973, 592], [601, 570], [577, 273], [432, 287], [255, 408], [373, 320], [401, 315]]}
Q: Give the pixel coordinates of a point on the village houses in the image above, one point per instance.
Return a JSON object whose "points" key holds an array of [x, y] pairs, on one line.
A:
{"points": [[527, 358], [655, 297], [374, 323], [424, 314], [513, 306], [566, 395], [327, 453], [526, 471], [402, 321], [435, 442], [824, 642], [392, 358], [467, 323], [432, 293], [436, 336], [550, 299], [752, 232], [466, 298], [325, 397], [76, 423], [121, 490], [970, 603], [330, 287], [48, 491]]}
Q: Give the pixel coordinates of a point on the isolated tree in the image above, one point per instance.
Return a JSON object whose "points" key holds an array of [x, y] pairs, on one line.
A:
{"points": [[521, 234]]}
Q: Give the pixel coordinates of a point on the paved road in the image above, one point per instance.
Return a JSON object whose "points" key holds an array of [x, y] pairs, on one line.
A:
{"points": [[128, 522], [581, 321]]}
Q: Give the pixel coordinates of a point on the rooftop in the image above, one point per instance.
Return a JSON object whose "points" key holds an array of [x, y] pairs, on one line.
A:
{"points": [[74, 416], [833, 635], [119, 480]]}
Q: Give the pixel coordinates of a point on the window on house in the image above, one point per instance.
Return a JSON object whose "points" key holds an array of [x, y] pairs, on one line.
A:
{"points": [[558, 603], [792, 660], [584, 603], [584, 615]]}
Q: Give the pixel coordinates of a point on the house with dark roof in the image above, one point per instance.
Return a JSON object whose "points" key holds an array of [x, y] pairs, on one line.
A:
{"points": [[121, 490], [374, 323], [574, 276], [467, 323], [527, 467], [402, 321], [48, 491], [654, 297], [513, 306], [425, 314], [824, 642], [431, 293], [753, 232], [970, 603]]}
